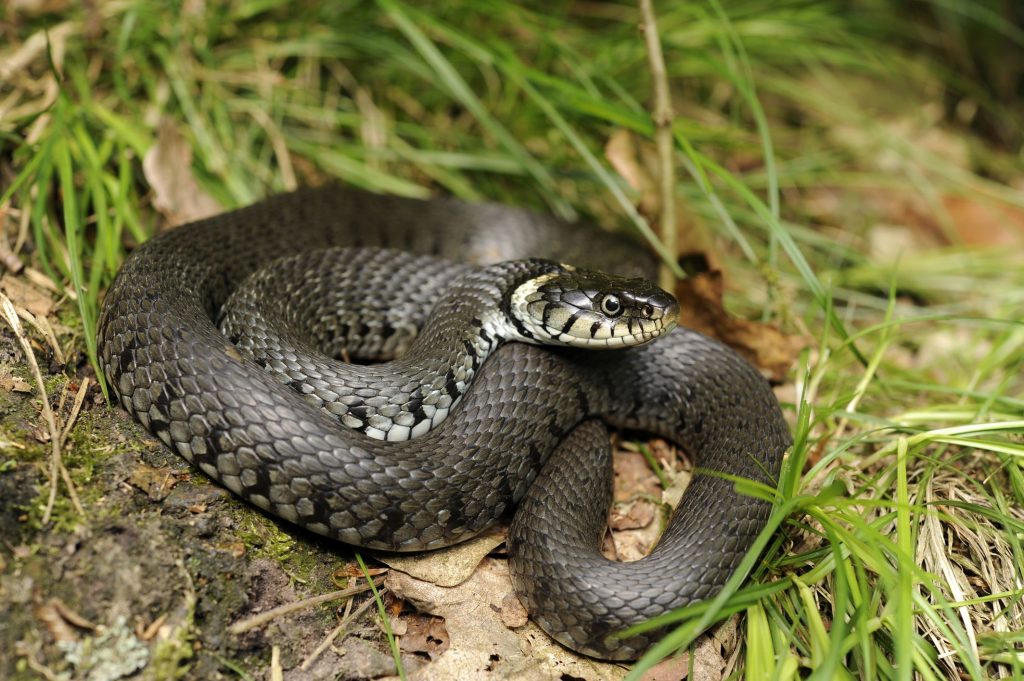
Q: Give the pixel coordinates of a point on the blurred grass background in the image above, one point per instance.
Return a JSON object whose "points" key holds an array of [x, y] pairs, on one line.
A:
{"points": [[802, 128]]}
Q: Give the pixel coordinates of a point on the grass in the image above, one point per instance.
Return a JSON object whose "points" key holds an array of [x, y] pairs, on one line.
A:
{"points": [[897, 549]]}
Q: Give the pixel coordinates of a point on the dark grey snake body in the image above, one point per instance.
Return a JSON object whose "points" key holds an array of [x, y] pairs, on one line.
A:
{"points": [[169, 365]]}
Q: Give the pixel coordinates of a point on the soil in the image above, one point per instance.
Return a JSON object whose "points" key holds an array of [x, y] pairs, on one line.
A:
{"points": [[147, 583]]}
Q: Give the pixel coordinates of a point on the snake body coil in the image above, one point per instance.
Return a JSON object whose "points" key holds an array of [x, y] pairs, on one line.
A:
{"points": [[347, 302], [170, 366]]}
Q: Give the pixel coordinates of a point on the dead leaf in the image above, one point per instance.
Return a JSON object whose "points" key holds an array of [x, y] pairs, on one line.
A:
{"points": [[889, 244], [700, 301], [16, 384], [904, 221], [235, 548], [33, 8], [70, 616], [708, 662], [513, 612], [638, 492], [424, 636], [636, 160], [638, 166], [168, 169], [24, 294], [672, 669], [985, 224], [155, 482], [481, 645], [633, 476], [59, 628], [632, 515], [449, 567]]}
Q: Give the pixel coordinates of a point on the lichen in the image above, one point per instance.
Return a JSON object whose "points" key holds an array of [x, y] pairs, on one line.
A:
{"points": [[112, 654]]}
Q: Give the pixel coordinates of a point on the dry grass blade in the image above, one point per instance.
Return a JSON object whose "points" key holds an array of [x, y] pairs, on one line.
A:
{"points": [[264, 617], [57, 469], [350, 616], [83, 389], [44, 327]]}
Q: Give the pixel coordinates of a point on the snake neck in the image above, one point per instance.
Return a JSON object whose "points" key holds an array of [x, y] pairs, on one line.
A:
{"points": [[395, 400], [470, 320]]}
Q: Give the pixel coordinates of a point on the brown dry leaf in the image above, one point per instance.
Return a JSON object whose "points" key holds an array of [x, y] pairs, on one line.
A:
{"points": [[168, 169], [700, 302], [70, 616], [708, 662], [424, 636], [482, 646], [24, 294], [903, 221], [985, 224], [448, 567], [639, 500], [632, 515], [32, 8], [889, 244], [638, 166], [155, 482], [633, 476], [17, 384], [513, 612], [61, 630], [637, 162], [672, 669]]}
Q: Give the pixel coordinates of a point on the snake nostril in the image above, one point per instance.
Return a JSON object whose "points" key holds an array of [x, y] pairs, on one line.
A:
{"points": [[648, 311]]}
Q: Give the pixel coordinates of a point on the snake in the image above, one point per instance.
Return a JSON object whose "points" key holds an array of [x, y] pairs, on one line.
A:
{"points": [[529, 434], [368, 305]]}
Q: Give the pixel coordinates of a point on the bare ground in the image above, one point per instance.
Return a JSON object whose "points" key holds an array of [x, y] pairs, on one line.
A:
{"points": [[164, 561]]}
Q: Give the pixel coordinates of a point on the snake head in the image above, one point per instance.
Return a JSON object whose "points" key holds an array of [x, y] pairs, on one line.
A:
{"points": [[591, 309]]}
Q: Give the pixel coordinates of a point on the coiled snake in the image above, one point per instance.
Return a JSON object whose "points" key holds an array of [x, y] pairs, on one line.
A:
{"points": [[187, 383]]}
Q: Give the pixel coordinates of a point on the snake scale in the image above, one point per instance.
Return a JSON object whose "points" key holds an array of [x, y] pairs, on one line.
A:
{"points": [[527, 433]]}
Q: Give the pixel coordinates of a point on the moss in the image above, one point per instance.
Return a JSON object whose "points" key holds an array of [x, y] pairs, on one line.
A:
{"points": [[264, 538], [87, 447], [171, 655]]}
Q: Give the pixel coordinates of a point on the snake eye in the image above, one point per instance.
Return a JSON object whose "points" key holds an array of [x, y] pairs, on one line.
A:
{"points": [[611, 306]]}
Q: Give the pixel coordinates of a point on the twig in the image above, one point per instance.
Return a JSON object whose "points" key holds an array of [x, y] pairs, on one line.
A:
{"points": [[329, 639], [22, 649], [68, 424], [8, 258], [44, 327], [662, 117], [11, 315], [75, 409], [276, 673], [264, 617]]}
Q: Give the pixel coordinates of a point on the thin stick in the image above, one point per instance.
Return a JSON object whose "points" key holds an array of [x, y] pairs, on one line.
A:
{"points": [[264, 617], [8, 258], [11, 315], [44, 327], [75, 409], [276, 673], [68, 424], [662, 117], [329, 639]]}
